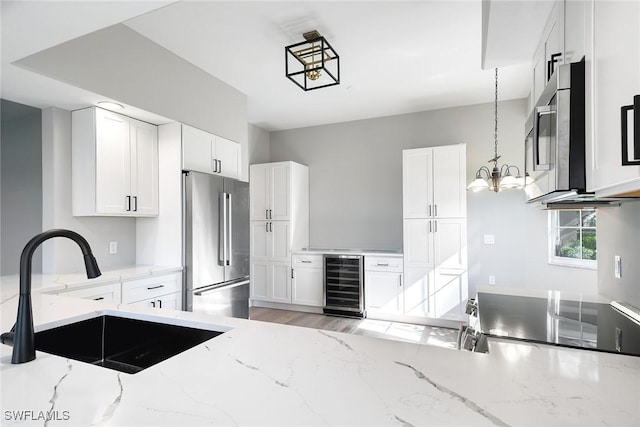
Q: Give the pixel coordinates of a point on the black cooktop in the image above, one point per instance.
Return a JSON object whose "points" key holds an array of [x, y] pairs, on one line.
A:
{"points": [[557, 321]]}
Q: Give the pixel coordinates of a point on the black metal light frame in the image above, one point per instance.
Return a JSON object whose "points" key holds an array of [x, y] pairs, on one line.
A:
{"points": [[326, 53]]}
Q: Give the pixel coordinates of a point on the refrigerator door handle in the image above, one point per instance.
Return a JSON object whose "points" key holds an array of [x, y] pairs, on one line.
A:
{"points": [[222, 229], [229, 230]]}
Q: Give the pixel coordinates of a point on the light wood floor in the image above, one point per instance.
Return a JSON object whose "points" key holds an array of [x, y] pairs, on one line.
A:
{"points": [[420, 334]]}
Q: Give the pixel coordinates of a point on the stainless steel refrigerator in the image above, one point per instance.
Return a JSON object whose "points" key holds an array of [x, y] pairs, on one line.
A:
{"points": [[216, 245]]}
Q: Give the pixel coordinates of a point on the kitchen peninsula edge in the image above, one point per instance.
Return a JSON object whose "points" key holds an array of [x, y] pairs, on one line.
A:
{"points": [[268, 374]]}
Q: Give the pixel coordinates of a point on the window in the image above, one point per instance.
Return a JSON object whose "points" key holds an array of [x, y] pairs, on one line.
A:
{"points": [[572, 238]]}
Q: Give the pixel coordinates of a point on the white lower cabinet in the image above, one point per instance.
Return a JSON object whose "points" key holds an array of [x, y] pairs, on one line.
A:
{"points": [[435, 254], [270, 281], [306, 280], [172, 301], [110, 293], [159, 291], [384, 287]]}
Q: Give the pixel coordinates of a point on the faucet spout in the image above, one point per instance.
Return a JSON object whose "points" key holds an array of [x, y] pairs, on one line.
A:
{"points": [[22, 334]]}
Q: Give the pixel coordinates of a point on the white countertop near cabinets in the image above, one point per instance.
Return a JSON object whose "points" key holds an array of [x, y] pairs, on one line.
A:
{"points": [[55, 283], [351, 251], [261, 373]]}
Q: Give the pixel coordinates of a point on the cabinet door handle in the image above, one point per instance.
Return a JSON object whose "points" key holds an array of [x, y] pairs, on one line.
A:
{"points": [[153, 304], [155, 287], [624, 112], [292, 273], [214, 165], [305, 261], [435, 226], [435, 210], [270, 214], [429, 210], [219, 166], [271, 227], [98, 299], [159, 303], [400, 280], [135, 203], [383, 264], [266, 227], [266, 214], [551, 64], [128, 203]]}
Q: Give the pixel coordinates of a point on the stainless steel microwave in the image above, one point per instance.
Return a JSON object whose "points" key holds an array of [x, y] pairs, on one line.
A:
{"points": [[554, 162]]}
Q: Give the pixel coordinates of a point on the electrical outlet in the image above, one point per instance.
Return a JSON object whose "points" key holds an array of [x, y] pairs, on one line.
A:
{"points": [[113, 247], [618, 267], [492, 279]]}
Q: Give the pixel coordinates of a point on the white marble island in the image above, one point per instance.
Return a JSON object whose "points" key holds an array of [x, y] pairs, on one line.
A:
{"points": [[267, 374]]}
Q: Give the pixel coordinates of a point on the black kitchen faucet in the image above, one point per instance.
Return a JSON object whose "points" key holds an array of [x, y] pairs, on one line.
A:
{"points": [[22, 335]]}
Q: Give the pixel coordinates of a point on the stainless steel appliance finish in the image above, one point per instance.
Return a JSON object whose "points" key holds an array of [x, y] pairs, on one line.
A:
{"points": [[344, 285], [555, 138], [216, 244]]}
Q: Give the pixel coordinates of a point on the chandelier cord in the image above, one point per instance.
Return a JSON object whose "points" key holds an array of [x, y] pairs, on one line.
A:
{"points": [[495, 133]]}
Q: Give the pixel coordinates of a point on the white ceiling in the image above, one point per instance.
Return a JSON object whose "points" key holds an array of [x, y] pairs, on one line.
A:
{"points": [[396, 57]]}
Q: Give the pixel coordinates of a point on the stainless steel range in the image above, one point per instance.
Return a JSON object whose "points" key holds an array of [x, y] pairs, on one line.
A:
{"points": [[553, 319]]}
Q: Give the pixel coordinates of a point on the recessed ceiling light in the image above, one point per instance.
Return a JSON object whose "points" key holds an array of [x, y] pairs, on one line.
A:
{"points": [[110, 105]]}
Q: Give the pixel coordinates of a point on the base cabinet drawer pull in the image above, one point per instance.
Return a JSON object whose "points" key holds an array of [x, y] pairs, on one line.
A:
{"points": [[155, 287], [98, 299]]}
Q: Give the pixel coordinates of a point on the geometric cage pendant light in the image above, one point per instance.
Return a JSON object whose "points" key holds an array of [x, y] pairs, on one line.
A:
{"points": [[313, 63], [498, 178]]}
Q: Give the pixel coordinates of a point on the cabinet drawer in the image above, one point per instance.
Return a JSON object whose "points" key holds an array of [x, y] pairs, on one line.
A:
{"points": [[376, 263], [172, 302], [109, 293], [306, 261], [142, 289]]}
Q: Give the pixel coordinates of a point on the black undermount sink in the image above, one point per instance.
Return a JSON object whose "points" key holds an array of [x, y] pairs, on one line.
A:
{"points": [[120, 343]]}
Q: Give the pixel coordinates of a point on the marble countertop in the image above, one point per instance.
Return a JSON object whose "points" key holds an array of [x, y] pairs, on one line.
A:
{"points": [[260, 373], [54, 283], [351, 251]]}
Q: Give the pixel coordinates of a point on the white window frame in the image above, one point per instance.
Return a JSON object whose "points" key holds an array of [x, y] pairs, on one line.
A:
{"points": [[565, 261]]}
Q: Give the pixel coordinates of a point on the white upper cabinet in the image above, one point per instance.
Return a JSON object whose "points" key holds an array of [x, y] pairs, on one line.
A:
{"points": [[550, 51], [575, 40], [433, 182], [114, 165], [271, 189], [208, 153], [615, 81], [417, 183]]}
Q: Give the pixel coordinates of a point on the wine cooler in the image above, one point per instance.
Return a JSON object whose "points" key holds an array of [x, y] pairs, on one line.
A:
{"points": [[343, 285]]}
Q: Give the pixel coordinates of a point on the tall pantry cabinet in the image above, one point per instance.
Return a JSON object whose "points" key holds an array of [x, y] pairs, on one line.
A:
{"points": [[279, 216], [435, 231]]}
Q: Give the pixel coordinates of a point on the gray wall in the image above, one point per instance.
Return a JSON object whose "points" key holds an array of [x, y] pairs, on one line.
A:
{"points": [[619, 234], [258, 145], [355, 172], [21, 183], [62, 255]]}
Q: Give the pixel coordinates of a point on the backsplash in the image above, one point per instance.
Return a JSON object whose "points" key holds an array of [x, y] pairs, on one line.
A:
{"points": [[619, 235]]}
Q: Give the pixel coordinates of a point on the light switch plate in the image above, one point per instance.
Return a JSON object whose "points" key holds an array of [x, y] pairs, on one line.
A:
{"points": [[113, 247], [618, 267], [489, 239]]}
